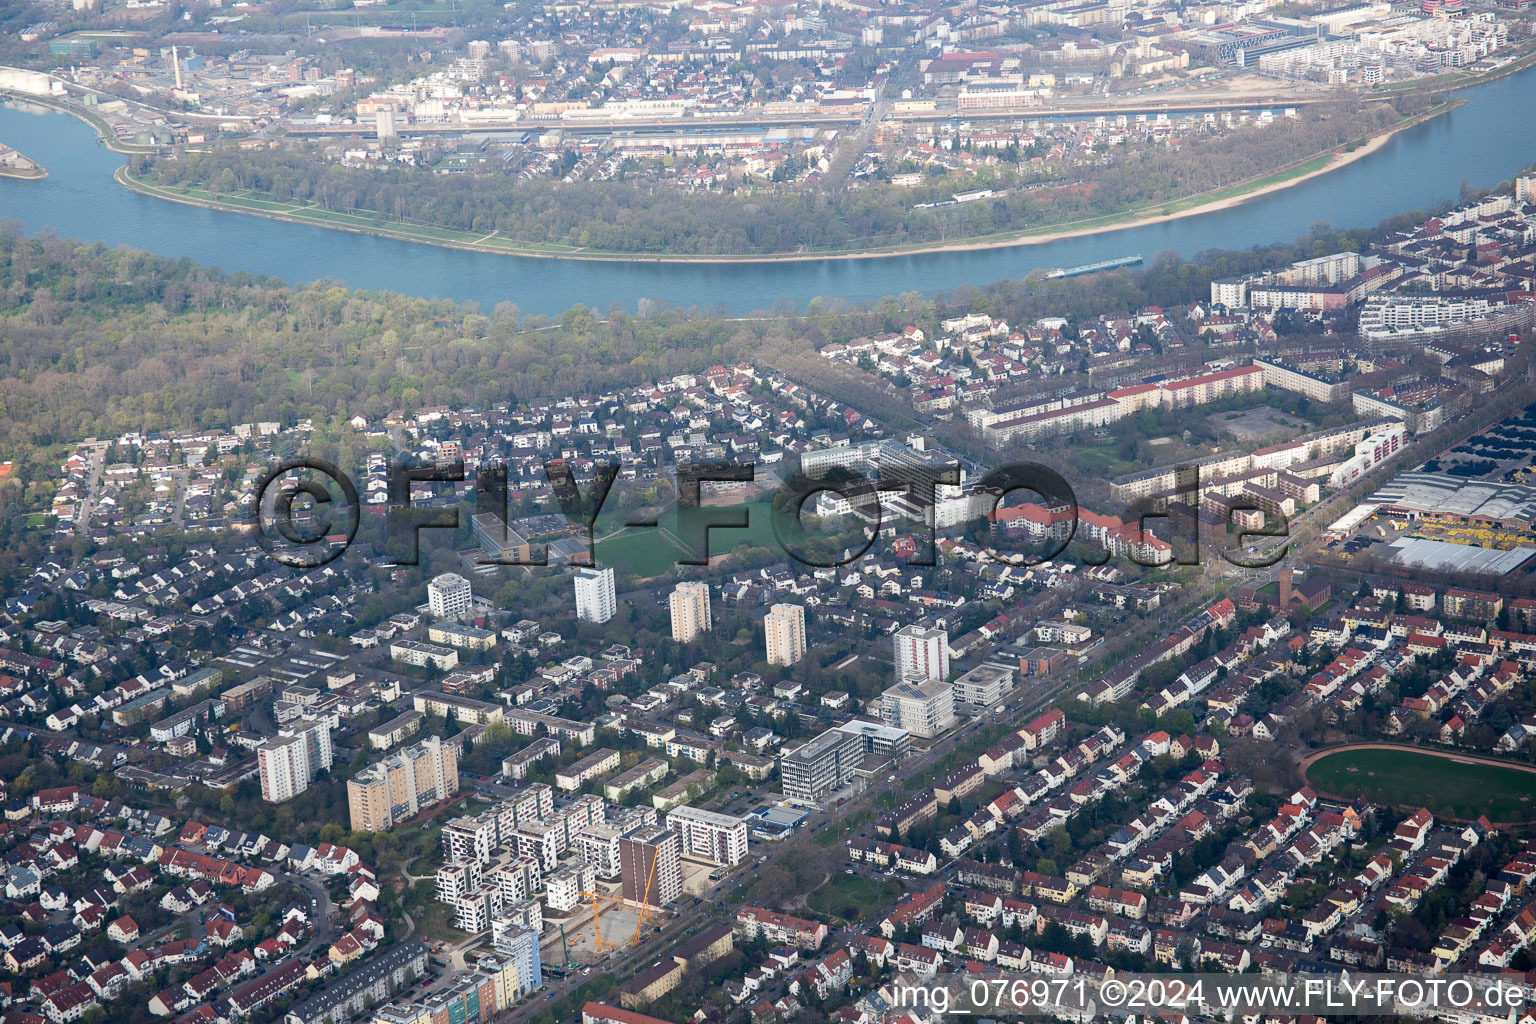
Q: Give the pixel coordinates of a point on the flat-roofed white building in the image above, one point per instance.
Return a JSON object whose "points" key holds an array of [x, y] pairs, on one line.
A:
{"points": [[449, 596], [923, 707], [596, 764], [984, 685], [563, 886], [707, 835], [413, 652]]}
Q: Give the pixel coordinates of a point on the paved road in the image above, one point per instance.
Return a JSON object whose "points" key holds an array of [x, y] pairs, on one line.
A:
{"points": [[323, 914], [179, 502], [87, 505]]}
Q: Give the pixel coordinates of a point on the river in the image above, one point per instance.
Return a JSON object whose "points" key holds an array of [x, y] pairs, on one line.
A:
{"points": [[1485, 141]]}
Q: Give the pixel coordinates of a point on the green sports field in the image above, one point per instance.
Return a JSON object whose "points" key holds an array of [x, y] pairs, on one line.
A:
{"points": [[1407, 778], [650, 552]]}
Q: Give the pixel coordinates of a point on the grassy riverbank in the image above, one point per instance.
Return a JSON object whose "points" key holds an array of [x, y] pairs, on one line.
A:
{"points": [[1228, 196]]}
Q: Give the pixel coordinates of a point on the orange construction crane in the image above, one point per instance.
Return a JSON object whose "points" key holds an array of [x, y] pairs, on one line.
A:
{"points": [[645, 908], [645, 897], [597, 926]]}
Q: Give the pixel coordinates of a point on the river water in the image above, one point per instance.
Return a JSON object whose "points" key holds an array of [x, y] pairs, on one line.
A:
{"points": [[1485, 141]]}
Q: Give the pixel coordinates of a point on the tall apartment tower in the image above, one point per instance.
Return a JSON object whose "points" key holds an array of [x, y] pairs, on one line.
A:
{"points": [[518, 947], [651, 866], [396, 787], [317, 744], [596, 600], [448, 596], [784, 633], [690, 611], [290, 760], [922, 653], [284, 765], [1525, 189]]}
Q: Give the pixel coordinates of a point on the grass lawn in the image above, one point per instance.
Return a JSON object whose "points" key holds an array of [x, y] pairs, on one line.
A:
{"points": [[648, 552], [757, 533], [1101, 458], [848, 897], [1410, 779], [432, 918], [643, 552]]}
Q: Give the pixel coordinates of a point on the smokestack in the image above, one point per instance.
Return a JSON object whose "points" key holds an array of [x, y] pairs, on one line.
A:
{"points": [[1285, 588], [176, 63]]}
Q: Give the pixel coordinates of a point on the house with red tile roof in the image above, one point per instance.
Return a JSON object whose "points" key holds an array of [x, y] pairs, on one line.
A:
{"points": [[124, 929]]}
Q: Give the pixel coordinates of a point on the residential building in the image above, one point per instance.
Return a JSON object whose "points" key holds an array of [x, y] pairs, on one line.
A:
{"points": [[596, 764], [454, 635], [784, 633], [402, 727], [596, 599], [707, 835], [516, 957], [414, 652], [984, 685], [465, 710], [689, 605], [395, 788], [922, 652], [923, 707], [650, 866], [316, 734], [470, 840], [391, 970], [290, 760], [780, 929], [448, 596]]}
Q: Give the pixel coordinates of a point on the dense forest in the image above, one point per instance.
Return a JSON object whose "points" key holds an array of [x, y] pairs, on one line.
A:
{"points": [[97, 341], [630, 218]]}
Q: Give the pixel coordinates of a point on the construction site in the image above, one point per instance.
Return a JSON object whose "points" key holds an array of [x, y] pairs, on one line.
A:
{"points": [[592, 932], [612, 917]]}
